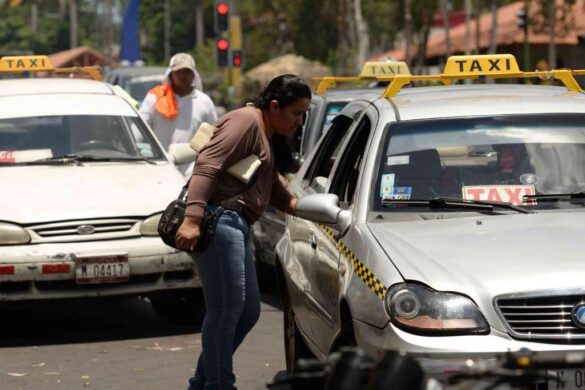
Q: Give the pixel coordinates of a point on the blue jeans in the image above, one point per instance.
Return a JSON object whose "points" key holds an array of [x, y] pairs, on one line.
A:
{"points": [[227, 272]]}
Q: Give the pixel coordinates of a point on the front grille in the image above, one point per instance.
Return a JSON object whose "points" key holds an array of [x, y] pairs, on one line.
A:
{"points": [[85, 230], [541, 317]]}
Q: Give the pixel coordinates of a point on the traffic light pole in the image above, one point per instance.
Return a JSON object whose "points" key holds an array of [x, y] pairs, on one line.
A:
{"points": [[236, 44]]}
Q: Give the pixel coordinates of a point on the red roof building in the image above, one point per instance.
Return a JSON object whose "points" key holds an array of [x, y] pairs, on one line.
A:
{"points": [[570, 36]]}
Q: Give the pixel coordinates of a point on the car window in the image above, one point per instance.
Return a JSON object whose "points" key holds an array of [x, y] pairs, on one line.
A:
{"points": [[331, 111], [317, 175], [27, 139], [498, 158], [344, 181]]}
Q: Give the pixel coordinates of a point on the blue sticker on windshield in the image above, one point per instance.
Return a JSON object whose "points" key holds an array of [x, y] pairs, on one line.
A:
{"points": [[400, 193], [386, 185]]}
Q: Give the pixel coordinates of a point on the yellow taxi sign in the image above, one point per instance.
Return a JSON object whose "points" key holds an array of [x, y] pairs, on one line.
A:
{"points": [[481, 65], [25, 63], [384, 69]]}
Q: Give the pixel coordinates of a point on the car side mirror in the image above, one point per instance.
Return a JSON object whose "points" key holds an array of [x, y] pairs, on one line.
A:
{"points": [[324, 208], [181, 153]]}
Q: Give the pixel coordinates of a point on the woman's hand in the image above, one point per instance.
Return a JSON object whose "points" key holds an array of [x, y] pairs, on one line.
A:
{"points": [[290, 209], [188, 233]]}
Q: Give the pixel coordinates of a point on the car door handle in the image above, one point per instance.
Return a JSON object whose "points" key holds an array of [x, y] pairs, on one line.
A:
{"points": [[313, 241]]}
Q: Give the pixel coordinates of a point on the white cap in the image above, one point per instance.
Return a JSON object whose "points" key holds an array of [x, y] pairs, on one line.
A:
{"points": [[182, 61]]}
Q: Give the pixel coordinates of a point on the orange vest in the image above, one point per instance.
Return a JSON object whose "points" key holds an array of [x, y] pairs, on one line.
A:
{"points": [[166, 103]]}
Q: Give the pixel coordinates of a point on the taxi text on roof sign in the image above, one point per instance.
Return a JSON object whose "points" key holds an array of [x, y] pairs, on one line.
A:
{"points": [[381, 69], [498, 64], [25, 63]]}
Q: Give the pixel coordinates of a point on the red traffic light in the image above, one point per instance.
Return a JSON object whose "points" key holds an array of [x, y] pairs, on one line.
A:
{"points": [[237, 58], [221, 16], [223, 44], [222, 8]]}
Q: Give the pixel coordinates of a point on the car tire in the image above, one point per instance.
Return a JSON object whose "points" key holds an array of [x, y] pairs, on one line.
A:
{"points": [[180, 307], [294, 345]]}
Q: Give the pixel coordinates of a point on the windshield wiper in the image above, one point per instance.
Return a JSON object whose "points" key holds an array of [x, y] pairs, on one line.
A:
{"points": [[66, 159], [455, 203], [75, 158], [147, 160], [572, 196]]}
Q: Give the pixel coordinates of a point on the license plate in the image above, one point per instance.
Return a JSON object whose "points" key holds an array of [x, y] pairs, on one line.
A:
{"points": [[566, 379], [102, 269]]}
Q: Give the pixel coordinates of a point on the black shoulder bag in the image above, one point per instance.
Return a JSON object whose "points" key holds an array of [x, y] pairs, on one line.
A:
{"points": [[174, 214]]}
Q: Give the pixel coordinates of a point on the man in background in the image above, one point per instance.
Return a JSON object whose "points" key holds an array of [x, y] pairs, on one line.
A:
{"points": [[175, 109]]}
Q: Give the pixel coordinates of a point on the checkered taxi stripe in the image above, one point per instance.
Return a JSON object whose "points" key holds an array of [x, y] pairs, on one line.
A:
{"points": [[359, 268]]}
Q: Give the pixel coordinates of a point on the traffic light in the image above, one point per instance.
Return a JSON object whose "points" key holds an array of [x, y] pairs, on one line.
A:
{"points": [[221, 16], [522, 21], [222, 50], [237, 58]]}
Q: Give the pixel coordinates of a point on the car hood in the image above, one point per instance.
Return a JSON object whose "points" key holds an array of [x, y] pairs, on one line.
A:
{"points": [[490, 255], [34, 194]]}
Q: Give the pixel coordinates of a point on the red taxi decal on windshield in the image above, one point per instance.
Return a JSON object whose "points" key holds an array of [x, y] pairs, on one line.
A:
{"points": [[7, 156], [504, 193], [23, 156]]}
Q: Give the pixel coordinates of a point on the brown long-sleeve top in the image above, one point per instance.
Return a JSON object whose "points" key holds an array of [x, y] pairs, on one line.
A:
{"points": [[239, 133]]}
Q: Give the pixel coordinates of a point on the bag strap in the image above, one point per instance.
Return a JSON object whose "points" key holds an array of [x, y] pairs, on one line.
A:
{"points": [[184, 190]]}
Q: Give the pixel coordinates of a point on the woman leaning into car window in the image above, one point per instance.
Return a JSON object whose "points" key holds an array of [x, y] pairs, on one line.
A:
{"points": [[226, 267]]}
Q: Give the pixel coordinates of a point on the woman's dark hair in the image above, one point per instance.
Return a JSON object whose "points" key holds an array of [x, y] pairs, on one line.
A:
{"points": [[286, 89]]}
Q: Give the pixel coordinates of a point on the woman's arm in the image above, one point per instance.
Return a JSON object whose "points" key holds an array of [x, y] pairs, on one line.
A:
{"points": [[280, 197]]}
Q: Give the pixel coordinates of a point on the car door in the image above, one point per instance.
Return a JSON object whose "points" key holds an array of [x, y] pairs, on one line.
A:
{"points": [[315, 252], [343, 183]]}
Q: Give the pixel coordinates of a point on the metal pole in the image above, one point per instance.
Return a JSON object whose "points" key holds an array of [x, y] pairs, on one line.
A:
{"points": [[73, 25], [167, 30]]}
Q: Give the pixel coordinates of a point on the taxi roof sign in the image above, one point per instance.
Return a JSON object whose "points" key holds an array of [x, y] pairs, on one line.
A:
{"points": [[377, 71], [25, 63], [381, 69], [42, 63], [479, 65], [493, 66]]}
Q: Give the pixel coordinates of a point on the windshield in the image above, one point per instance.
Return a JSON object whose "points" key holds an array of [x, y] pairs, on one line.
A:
{"points": [[28, 139], [497, 159]]}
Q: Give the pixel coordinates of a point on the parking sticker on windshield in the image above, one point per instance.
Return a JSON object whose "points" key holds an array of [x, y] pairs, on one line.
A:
{"points": [[400, 193], [386, 185], [398, 160]]}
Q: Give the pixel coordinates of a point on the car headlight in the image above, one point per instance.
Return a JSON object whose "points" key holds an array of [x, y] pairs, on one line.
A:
{"points": [[149, 226], [421, 310], [12, 234]]}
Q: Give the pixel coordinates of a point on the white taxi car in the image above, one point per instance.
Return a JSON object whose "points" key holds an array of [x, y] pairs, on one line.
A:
{"points": [[445, 221], [84, 181]]}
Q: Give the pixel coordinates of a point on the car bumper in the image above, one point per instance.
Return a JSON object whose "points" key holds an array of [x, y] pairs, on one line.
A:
{"points": [[442, 356], [47, 271]]}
